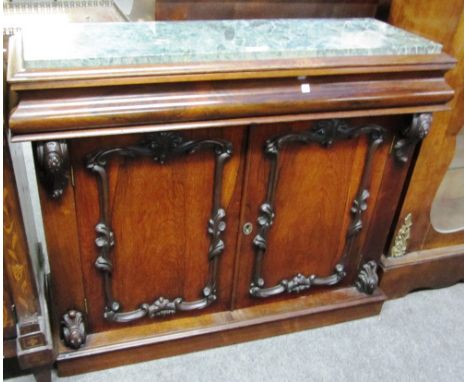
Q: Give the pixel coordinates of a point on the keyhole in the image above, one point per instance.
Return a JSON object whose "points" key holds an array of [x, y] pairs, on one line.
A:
{"points": [[247, 229]]}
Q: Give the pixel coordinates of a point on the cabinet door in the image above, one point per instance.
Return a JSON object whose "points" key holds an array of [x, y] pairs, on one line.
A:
{"points": [[311, 190], [157, 219]]}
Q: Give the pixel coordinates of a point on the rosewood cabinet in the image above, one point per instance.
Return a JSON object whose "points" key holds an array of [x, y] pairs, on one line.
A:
{"points": [[246, 192]]}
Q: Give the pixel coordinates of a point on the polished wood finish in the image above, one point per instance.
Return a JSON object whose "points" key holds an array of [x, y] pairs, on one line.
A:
{"points": [[22, 79], [260, 9], [436, 153], [226, 99], [60, 227], [316, 189], [220, 123], [167, 338], [162, 240], [432, 268], [430, 261]]}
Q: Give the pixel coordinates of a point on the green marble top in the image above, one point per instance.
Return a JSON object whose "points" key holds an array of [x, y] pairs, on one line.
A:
{"points": [[160, 43]]}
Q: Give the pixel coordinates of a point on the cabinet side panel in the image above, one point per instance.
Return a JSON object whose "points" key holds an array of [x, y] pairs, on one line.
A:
{"points": [[438, 148], [61, 232], [15, 251]]}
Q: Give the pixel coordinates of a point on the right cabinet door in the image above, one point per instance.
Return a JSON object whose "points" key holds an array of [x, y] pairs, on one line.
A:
{"points": [[311, 198]]}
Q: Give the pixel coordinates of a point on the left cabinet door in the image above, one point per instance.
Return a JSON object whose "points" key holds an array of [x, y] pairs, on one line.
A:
{"points": [[152, 223]]}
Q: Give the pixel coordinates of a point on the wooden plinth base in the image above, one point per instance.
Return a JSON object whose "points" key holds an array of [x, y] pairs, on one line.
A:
{"points": [[434, 268], [167, 338]]}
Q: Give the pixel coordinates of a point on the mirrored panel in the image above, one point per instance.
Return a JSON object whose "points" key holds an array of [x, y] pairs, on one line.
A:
{"points": [[447, 208]]}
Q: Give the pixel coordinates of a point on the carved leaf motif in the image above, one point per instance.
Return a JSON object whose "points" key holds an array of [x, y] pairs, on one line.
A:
{"points": [[216, 225], [259, 241], [325, 133], [161, 147], [266, 215], [162, 144], [162, 307], [360, 203], [73, 329], [298, 283], [367, 279], [418, 129], [53, 162], [104, 240]]}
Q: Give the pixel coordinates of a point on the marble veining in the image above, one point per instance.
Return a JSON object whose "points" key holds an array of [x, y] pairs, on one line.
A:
{"points": [[160, 43]]}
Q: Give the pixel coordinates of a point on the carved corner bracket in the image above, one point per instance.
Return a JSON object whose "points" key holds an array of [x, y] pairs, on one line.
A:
{"points": [[161, 147], [417, 131], [367, 279], [53, 164], [400, 244], [73, 329], [325, 133]]}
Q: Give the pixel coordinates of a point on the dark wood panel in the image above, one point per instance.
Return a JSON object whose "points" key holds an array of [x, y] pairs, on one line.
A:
{"points": [[159, 214], [316, 189], [242, 9]]}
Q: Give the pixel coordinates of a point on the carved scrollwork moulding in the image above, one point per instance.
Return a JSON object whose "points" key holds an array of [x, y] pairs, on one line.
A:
{"points": [[73, 329], [324, 134], [53, 164], [161, 147], [367, 279], [417, 131]]}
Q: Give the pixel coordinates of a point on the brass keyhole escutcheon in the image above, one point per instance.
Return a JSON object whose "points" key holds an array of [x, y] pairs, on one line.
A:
{"points": [[247, 229]]}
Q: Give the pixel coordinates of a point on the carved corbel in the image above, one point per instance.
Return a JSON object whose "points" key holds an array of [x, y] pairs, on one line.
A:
{"points": [[367, 279], [73, 329], [53, 163], [416, 132]]}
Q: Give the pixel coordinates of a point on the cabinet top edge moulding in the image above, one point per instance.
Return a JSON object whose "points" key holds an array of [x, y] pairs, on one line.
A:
{"points": [[159, 76], [151, 52]]}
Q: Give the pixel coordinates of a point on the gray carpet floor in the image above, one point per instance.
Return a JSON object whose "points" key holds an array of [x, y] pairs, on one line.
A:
{"points": [[416, 338]]}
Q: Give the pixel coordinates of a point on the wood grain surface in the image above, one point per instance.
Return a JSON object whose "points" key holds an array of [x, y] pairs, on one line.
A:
{"points": [[241, 9], [159, 214], [437, 151]]}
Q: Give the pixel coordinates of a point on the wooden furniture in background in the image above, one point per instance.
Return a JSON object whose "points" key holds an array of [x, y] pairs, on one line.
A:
{"points": [[417, 255], [261, 9]]}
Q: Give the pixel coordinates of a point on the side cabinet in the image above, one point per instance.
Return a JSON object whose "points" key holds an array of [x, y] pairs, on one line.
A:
{"points": [[188, 206]]}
